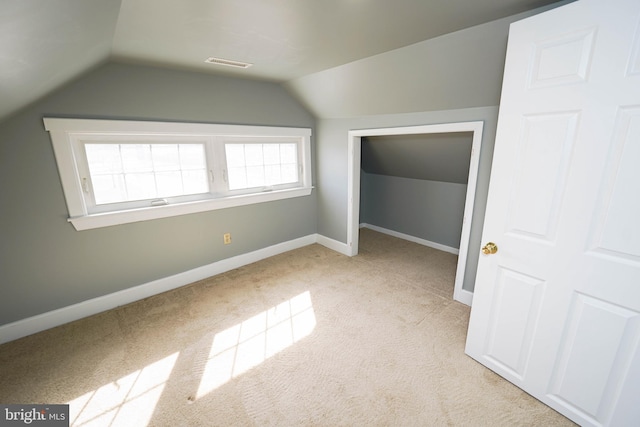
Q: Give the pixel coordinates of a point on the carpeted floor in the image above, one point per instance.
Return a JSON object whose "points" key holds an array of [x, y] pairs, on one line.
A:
{"points": [[309, 337]]}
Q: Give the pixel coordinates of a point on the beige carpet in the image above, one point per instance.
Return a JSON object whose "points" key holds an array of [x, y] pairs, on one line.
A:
{"points": [[309, 337]]}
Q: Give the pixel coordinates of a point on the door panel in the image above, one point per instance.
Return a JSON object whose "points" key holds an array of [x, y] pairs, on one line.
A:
{"points": [[516, 306], [563, 59], [617, 228], [556, 310], [546, 145], [600, 336]]}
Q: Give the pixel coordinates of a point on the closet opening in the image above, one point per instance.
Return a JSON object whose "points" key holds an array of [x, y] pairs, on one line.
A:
{"points": [[417, 183]]}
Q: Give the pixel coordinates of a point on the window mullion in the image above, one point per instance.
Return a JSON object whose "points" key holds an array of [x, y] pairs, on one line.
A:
{"points": [[216, 166]]}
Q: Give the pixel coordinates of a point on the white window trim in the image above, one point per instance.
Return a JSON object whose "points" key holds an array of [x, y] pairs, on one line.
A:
{"points": [[65, 131]]}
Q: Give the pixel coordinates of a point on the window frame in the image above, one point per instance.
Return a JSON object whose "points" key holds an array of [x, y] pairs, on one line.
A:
{"points": [[79, 143], [226, 140], [67, 136]]}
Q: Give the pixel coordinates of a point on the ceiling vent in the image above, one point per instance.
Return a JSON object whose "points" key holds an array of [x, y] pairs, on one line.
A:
{"points": [[220, 61]]}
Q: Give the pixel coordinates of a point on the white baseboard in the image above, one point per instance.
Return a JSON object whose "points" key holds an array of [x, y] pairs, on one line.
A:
{"points": [[413, 239], [44, 321], [334, 245]]}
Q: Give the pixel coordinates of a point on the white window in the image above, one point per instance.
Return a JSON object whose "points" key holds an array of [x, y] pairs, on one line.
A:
{"points": [[115, 172], [252, 165]]}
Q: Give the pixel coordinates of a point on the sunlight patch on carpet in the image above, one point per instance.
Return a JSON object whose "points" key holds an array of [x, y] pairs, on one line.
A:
{"points": [[129, 400], [246, 345]]}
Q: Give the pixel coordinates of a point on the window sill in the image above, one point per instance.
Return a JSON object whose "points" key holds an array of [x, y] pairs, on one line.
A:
{"points": [[88, 222]]}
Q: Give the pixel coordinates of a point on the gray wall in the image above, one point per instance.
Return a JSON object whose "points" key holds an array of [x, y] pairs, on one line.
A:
{"points": [[429, 210], [435, 74], [458, 70], [45, 264]]}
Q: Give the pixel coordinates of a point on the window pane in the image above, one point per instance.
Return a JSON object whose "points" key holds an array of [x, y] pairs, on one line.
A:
{"points": [[260, 165], [288, 153], [235, 155], [237, 178], [255, 176], [109, 188], [136, 157], [165, 157], [195, 181], [104, 158], [271, 154], [272, 175], [169, 183], [140, 186], [289, 173], [192, 157], [253, 154]]}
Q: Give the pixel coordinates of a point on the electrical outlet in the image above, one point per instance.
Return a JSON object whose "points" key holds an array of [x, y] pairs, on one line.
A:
{"points": [[226, 237]]}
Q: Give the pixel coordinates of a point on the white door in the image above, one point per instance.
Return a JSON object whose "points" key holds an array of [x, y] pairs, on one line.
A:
{"points": [[556, 310]]}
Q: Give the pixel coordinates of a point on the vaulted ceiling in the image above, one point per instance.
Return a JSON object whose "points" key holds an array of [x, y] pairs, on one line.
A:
{"points": [[46, 43]]}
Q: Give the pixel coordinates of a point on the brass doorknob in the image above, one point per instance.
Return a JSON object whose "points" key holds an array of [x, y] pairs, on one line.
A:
{"points": [[490, 248]]}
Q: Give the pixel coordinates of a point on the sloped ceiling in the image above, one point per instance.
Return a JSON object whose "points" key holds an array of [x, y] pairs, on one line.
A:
{"points": [[46, 43], [286, 39], [433, 157]]}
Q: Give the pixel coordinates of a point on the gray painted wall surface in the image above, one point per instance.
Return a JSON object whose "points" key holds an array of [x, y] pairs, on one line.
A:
{"points": [[436, 74], [457, 70], [45, 264], [430, 210], [332, 168]]}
